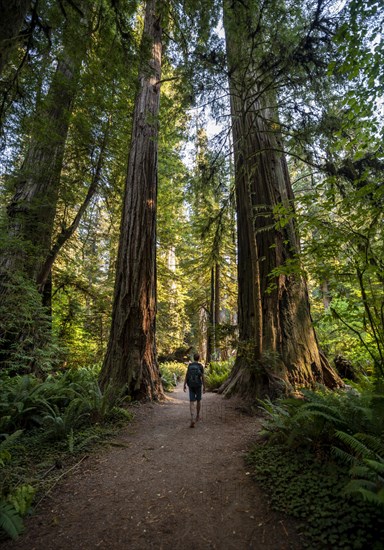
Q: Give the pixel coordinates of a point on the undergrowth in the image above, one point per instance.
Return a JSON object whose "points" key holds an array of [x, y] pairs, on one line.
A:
{"points": [[312, 492], [322, 461], [217, 373], [45, 425], [172, 373]]}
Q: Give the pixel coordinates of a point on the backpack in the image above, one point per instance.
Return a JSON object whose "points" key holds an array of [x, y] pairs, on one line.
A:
{"points": [[194, 375]]}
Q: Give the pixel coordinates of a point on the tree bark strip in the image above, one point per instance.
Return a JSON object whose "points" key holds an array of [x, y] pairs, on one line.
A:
{"points": [[278, 349], [131, 355]]}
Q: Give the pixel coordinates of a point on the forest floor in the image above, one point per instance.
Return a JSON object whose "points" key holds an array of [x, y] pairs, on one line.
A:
{"points": [[161, 484]]}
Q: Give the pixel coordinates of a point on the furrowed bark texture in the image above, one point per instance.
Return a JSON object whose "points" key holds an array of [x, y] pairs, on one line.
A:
{"points": [[131, 355], [12, 15], [278, 349]]}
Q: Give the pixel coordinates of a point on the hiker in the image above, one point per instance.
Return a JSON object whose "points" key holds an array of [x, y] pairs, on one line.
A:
{"points": [[194, 379]]}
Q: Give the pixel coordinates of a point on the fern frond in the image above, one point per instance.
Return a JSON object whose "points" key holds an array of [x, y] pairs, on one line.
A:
{"points": [[367, 494], [364, 472], [358, 448], [10, 521], [373, 442], [10, 439], [310, 415], [374, 465], [345, 457], [331, 410]]}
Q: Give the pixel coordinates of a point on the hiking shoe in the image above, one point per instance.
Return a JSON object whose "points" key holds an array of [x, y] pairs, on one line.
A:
{"points": [[192, 425]]}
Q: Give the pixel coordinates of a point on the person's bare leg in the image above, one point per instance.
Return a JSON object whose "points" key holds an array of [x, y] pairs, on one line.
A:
{"points": [[192, 411], [198, 411]]}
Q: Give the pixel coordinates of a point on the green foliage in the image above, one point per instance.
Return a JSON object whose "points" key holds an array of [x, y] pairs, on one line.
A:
{"points": [[313, 492], [21, 499], [10, 520], [217, 373], [22, 313], [68, 409], [171, 374], [60, 403], [312, 421], [15, 502], [340, 439], [366, 454]]}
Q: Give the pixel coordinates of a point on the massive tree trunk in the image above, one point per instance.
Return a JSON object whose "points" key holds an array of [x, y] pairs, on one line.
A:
{"points": [[32, 209], [130, 360], [12, 15], [278, 349]]}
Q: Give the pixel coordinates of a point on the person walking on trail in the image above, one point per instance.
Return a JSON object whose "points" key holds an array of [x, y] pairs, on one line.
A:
{"points": [[194, 379]]}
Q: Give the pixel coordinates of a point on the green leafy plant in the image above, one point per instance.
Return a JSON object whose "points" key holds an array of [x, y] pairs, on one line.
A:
{"points": [[172, 372], [21, 499], [365, 454], [322, 451], [217, 373], [15, 503], [313, 492], [10, 520], [312, 420]]}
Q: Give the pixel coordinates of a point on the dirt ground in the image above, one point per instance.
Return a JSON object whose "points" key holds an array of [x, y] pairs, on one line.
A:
{"points": [[164, 485]]}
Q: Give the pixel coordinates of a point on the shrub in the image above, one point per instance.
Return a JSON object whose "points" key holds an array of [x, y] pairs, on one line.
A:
{"points": [[15, 502], [68, 408], [217, 373], [299, 485], [172, 373], [324, 455]]}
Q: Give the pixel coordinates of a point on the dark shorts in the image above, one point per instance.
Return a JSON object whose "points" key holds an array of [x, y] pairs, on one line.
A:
{"points": [[195, 394]]}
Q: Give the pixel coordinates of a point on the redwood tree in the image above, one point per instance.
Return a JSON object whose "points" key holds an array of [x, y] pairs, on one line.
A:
{"points": [[31, 210], [130, 360], [278, 349]]}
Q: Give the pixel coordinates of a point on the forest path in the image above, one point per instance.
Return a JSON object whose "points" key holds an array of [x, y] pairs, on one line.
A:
{"points": [[166, 486]]}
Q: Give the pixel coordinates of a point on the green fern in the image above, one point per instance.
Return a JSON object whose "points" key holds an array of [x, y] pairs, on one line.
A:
{"points": [[366, 454], [10, 520], [217, 373], [376, 466], [354, 444], [21, 499], [367, 490]]}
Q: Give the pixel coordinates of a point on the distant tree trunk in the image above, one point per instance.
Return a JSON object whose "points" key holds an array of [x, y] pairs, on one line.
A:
{"points": [[278, 349], [67, 232], [325, 293], [217, 311], [211, 320], [213, 315], [131, 355], [12, 15]]}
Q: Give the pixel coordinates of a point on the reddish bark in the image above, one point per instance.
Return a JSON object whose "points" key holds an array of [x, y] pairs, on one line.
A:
{"points": [[278, 349], [130, 360]]}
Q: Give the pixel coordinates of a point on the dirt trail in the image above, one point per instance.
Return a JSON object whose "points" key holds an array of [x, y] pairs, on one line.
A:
{"points": [[166, 487]]}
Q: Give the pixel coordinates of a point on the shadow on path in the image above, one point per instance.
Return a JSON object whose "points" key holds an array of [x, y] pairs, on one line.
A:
{"points": [[166, 486]]}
